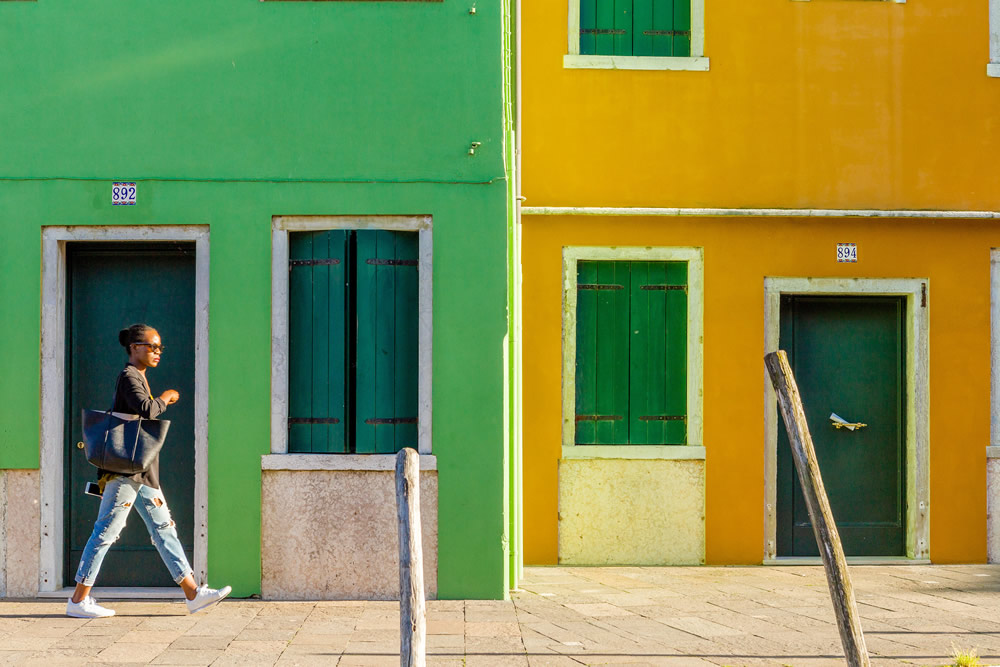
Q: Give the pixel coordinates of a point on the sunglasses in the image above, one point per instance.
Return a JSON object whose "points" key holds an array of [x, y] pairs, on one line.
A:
{"points": [[153, 347]]}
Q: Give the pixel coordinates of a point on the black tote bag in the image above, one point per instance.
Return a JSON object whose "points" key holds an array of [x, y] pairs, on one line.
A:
{"points": [[124, 446]]}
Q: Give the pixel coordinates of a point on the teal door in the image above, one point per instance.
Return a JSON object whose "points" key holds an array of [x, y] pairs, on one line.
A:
{"points": [[848, 356], [110, 286]]}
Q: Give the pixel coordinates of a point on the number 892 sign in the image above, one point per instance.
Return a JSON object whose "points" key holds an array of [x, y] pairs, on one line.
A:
{"points": [[847, 252], [123, 194]]}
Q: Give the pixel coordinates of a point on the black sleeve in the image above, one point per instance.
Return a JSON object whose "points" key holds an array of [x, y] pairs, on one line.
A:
{"points": [[133, 390]]}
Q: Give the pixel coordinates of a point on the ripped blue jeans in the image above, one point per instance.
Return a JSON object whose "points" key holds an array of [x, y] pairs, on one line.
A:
{"points": [[116, 503]]}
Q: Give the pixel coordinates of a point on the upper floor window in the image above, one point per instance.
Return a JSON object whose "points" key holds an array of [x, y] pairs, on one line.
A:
{"points": [[635, 27], [636, 34]]}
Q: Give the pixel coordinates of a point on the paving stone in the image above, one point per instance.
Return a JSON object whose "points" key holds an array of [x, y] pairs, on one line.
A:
{"points": [[202, 642], [332, 641], [131, 652], [186, 657], [151, 636], [492, 630]]}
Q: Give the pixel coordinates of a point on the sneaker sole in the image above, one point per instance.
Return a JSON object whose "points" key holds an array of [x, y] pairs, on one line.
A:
{"points": [[83, 616], [209, 605]]}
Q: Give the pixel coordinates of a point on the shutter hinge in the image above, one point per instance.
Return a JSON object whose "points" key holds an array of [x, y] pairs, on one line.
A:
{"points": [[312, 420], [311, 262], [600, 287], [598, 418], [662, 418], [664, 288], [923, 295], [394, 420], [392, 262]]}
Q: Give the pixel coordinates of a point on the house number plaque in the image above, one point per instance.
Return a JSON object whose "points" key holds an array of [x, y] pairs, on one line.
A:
{"points": [[123, 194], [847, 252]]}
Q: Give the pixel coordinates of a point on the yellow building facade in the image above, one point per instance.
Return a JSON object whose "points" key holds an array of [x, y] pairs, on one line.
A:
{"points": [[824, 175]]}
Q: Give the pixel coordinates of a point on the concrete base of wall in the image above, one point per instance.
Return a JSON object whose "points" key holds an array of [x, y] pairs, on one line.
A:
{"points": [[20, 521], [332, 535], [631, 512], [993, 510]]}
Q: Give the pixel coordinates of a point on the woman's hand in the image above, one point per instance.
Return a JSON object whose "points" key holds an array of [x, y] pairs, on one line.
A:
{"points": [[170, 396]]}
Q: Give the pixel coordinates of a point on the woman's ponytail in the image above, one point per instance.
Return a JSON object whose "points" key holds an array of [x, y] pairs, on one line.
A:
{"points": [[133, 334]]}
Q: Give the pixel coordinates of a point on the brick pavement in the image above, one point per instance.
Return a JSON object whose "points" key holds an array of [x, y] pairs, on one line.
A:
{"points": [[911, 615]]}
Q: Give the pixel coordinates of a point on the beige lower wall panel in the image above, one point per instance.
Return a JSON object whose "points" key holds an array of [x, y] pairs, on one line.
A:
{"points": [[993, 510], [631, 512], [19, 529], [332, 535]]}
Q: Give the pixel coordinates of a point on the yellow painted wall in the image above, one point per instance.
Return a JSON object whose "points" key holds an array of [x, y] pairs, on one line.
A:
{"points": [[823, 104], [631, 512], [955, 258]]}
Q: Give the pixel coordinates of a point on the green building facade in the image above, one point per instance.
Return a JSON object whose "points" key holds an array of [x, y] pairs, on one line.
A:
{"points": [[250, 130]]}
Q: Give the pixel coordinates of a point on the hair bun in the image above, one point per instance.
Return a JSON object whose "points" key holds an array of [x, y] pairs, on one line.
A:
{"points": [[123, 337]]}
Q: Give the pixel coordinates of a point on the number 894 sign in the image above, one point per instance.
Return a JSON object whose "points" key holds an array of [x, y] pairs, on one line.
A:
{"points": [[847, 252], [123, 194]]}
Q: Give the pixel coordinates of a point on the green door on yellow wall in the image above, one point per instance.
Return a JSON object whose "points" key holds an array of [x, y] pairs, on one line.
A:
{"points": [[109, 287], [848, 356]]}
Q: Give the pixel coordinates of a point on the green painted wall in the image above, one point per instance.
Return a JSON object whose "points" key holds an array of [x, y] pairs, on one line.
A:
{"points": [[227, 113]]}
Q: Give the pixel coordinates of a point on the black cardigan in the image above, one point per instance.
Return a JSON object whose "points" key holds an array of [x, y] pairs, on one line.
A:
{"points": [[133, 398]]}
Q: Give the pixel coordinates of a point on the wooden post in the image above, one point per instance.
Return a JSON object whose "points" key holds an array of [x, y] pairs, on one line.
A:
{"points": [[412, 626], [837, 576]]}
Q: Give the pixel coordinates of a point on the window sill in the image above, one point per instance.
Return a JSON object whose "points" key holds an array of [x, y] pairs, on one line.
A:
{"points": [[339, 462], [662, 452], [993, 452], [993, 69], [694, 64]]}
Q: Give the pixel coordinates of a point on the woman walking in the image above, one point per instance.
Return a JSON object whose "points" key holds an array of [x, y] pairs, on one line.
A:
{"points": [[134, 399]]}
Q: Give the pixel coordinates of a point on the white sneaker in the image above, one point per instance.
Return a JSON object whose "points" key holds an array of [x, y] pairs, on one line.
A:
{"points": [[87, 608], [206, 597]]}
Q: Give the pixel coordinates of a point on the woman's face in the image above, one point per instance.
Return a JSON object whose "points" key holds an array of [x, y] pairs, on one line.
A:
{"points": [[148, 351]]}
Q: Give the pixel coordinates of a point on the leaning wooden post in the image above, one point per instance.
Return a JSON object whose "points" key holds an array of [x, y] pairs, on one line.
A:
{"points": [[412, 627], [837, 576]]}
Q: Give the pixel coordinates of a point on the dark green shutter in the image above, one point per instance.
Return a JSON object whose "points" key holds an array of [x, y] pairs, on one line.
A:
{"points": [[386, 374], [606, 27], [635, 27], [658, 354], [602, 353], [316, 345], [631, 354]]}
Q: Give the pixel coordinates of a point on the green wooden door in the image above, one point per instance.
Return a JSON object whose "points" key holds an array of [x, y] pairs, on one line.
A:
{"points": [[848, 355], [110, 286]]}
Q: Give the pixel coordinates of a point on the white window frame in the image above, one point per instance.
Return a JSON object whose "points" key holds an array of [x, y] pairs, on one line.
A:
{"points": [[993, 68], [696, 306], [281, 227], [696, 62]]}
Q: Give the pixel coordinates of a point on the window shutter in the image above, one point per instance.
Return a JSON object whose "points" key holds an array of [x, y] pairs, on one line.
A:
{"points": [[386, 375], [635, 27], [658, 354], [602, 367], [606, 27], [316, 349], [662, 28]]}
